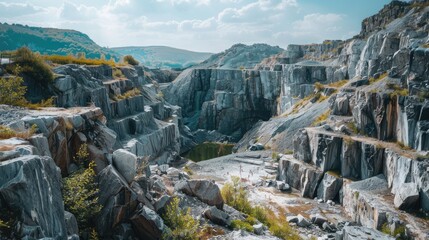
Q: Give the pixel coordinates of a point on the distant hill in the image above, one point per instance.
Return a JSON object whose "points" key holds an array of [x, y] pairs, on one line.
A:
{"points": [[240, 56], [163, 57], [50, 41]]}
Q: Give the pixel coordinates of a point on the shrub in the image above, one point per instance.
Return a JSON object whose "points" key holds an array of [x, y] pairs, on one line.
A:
{"points": [[275, 156], [318, 86], [238, 224], [44, 103], [321, 118], [80, 193], [117, 73], [338, 83], [128, 94], [278, 226], [235, 195], [34, 66], [181, 222], [374, 80], [74, 60], [352, 127], [12, 90], [131, 60], [288, 151], [6, 132]]}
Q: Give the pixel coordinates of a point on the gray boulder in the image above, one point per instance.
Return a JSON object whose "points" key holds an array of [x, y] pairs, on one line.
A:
{"points": [[217, 216], [407, 197], [116, 199], [318, 219], [147, 224], [258, 229], [302, 221], [205, 190], [292, 219], [126, 164], [71, 224], [161, 204]]}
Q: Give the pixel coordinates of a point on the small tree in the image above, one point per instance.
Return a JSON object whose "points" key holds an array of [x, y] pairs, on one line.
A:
{"points": [[80, 192], [12, 90], [131, 60], [181, 222]]}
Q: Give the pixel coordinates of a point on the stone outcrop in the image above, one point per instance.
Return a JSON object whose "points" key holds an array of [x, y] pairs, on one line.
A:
{"points": [[205, 190], [229, 101], [30, 187], [329, 187], [301, 176]]}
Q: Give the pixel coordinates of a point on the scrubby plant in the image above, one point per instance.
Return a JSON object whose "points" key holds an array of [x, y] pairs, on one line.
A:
{"points": [[6, 132], [288, 151], [275, 156], [238, 224], [117, 73], [80, 193], [374, 80], [58, 59], [181, 222], [319, 87], [235, 195], [321, 118], [33, 66], [338, 83], [128, 94], [12, 90], [131, 60], [352, 127]]}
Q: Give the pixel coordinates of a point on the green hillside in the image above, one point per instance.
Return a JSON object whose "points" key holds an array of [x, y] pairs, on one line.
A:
{"points": [[50, 41], [163, 57]]}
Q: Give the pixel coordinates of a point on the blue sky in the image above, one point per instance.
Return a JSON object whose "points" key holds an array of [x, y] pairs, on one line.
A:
{"points": [[200, 25]]}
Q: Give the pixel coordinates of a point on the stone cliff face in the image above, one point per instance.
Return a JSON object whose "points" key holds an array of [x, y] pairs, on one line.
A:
{"points": [[229, 101]]}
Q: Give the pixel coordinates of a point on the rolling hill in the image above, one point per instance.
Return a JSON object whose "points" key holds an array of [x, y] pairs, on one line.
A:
{"points": [[50, 41], [163, 57]]}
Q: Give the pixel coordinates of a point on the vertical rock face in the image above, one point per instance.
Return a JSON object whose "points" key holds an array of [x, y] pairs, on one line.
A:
{"points": [[301, 144], [326, 151], [300, 176], [30, 187], [376, 114], [229, 101], [329, 187], [412, 124]]}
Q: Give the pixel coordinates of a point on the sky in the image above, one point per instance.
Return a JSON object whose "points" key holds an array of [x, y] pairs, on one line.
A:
{"points": [[198, 25]]}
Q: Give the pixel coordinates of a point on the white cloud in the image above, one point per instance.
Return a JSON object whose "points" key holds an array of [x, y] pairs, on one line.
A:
{"points": [[204, 25]]}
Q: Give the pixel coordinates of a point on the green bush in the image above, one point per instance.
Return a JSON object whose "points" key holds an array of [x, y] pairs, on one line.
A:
{"points": [[181, 222], [131, 60], [238, 224], [80, 193], [12, 90], [235, 195], [34, 66], [6, 132]]}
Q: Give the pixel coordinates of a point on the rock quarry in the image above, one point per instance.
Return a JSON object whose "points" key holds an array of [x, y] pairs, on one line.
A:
{"points": [[332, 137]]}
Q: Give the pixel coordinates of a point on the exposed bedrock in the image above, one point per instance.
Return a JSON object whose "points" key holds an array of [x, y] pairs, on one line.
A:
{"points": [[229, 101], [30, 188], [61, 132]]}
